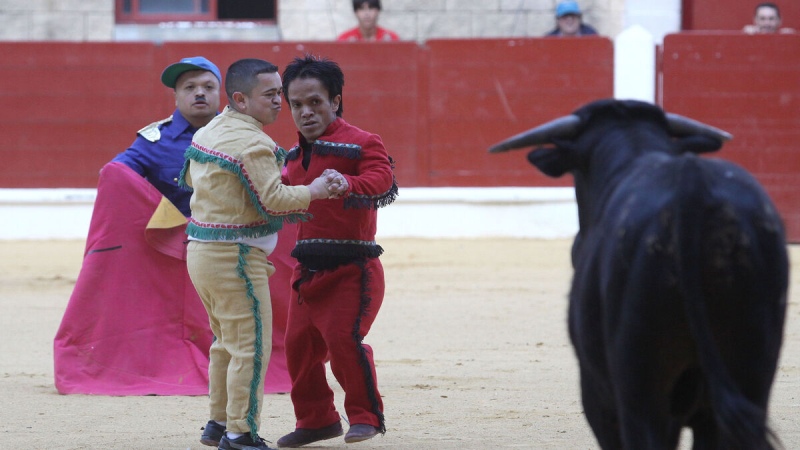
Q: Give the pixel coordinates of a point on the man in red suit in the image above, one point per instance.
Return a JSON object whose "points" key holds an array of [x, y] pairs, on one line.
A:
{"points": [[338, 283]]}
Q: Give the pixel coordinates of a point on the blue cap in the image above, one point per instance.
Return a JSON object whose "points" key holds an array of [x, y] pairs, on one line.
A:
{"points": [[170, 75], [566, 8]]}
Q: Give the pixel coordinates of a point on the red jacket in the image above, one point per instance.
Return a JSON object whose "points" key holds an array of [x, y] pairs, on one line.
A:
{"points": [[342, 228]]}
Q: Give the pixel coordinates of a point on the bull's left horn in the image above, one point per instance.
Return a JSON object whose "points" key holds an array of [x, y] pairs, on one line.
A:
{"points": [[682, 126], [562, 127]]}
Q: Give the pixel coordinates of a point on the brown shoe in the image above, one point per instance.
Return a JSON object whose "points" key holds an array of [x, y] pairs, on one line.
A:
{"points": [[360, 432], [303, 436]]}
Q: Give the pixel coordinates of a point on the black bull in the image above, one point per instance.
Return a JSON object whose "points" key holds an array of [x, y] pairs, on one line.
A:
{"points": [[678, 297]]}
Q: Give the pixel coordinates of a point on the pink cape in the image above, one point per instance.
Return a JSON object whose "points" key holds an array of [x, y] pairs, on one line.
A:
{"points": [[134, 324]]}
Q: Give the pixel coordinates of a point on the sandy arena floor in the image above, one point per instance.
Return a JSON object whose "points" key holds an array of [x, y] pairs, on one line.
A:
{"points": [[471, 347]]}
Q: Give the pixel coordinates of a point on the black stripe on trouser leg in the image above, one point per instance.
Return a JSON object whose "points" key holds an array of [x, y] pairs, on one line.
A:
{"points": [[362, 352]]}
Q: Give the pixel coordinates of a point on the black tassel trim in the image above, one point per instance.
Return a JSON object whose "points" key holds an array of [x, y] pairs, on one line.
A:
{"points": [[366, 300], [326, 255], [349, 151], [293, 154], [358, 201], [327, 247]]}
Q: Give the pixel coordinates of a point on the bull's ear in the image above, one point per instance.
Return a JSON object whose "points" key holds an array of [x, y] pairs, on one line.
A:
{"points": [[553, 162], [697, 144]]}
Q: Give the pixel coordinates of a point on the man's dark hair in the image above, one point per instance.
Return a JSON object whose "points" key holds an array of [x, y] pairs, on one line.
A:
{"points": [[372, 4], [242, 76], [768, 5], [326, 71]]}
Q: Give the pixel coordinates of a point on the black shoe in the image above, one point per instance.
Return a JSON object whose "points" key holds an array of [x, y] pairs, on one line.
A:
{"points": [[212, 434], [360, 432], [303, 436], [243, 442]]}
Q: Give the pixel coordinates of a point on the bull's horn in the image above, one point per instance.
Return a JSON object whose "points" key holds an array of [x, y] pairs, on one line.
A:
{"points": [[562, 127], [682, 126]]}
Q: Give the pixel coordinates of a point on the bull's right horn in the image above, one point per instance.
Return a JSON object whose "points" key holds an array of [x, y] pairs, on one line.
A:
{"points": [[562, 127], [683, 126]]}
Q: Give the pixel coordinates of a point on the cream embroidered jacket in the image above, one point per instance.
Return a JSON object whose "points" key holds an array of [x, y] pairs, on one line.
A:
{"points": [[234, 171]]}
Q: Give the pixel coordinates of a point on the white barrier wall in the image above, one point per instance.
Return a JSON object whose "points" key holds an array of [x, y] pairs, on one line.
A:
{"points": [[31, 214], [45, 213], [635, 65], [481, 212]]}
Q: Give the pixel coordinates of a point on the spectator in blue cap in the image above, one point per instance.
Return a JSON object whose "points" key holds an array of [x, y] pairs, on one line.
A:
{"points": [[569, 21], [157, 152]]}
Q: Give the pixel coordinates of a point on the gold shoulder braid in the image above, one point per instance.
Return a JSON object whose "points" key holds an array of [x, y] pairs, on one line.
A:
{"points": [[151, 132]]}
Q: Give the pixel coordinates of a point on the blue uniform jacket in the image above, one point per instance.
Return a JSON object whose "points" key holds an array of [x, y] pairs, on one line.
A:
{"points": [[158, 156]]}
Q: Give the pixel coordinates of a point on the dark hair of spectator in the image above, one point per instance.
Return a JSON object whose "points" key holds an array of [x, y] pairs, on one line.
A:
{"points": [[326, 71], [372, 4], [242, 76], [768, 5]]}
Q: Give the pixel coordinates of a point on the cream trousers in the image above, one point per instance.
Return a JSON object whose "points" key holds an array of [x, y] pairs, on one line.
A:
{"points": [[232, 281]]}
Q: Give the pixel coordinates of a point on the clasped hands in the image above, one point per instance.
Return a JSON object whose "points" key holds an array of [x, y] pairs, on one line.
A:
{"points": [[331, 184]]}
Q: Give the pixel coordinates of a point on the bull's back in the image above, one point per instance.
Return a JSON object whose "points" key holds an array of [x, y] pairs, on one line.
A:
{"points": [[687, 271], [687, 234], [632, 265], [714, 210], [733, 208]]}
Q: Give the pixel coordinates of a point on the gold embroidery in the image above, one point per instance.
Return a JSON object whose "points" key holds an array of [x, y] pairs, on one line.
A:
{"points": [[151, 132]]}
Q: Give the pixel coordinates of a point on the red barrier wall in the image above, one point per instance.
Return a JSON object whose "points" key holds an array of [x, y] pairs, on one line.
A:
{"points": [[68, 108], [483, 91], [750, 87]]}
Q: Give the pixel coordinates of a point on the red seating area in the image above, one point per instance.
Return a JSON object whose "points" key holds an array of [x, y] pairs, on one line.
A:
{"points": [[70, 107]]}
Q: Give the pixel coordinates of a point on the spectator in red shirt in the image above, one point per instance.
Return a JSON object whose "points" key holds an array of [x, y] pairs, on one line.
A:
{"points": [[367, 12]]}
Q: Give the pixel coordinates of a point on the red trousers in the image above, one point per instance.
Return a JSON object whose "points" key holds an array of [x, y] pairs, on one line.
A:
{"points": [[330, 312]]}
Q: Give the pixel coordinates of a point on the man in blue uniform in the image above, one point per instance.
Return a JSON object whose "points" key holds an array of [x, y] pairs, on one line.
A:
{"points": [[157, 152], [134, 265]]}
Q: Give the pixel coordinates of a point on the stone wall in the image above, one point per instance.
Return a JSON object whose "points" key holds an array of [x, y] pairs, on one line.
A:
{"points": [[426, 19], [56, 20], [419, 20]]}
